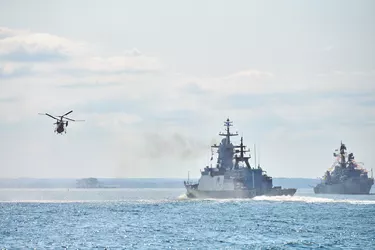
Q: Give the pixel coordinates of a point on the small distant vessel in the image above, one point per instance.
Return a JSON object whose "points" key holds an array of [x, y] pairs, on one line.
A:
{"points": [[88, 183], [346, 176], [91, 183], [233, 177]]}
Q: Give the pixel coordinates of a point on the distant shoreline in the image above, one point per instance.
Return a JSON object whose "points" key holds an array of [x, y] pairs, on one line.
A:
{"points": [[134, 182]]}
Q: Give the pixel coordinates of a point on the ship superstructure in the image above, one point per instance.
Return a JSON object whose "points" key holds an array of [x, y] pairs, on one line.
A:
{"points": [[233, 176], [346, 176]]}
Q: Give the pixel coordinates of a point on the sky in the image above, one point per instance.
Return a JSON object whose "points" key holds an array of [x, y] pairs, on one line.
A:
{"points": [[154, 81]]}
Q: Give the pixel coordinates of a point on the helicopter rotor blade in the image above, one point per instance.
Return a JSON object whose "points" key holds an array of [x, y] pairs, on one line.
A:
{"points": [[48, 115], [73, 120], [66, 118], [67, 113]]}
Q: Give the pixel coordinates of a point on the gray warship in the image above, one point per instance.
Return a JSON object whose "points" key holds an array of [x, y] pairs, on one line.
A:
{"points": [[346, 176], [233, 176]]}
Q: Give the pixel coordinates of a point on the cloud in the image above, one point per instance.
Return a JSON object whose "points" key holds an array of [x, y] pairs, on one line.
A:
{"points": [[48, 86], [313, 108], [193, 88], [113, 120], [116, 64], [31, 70], [249, 81], [9, 70], [132, 52], [264, 83], [142, 119], [9, 99], [7, 32], [369, 73], [16, 45], [86, 78], [250, 73], [50, 53]]}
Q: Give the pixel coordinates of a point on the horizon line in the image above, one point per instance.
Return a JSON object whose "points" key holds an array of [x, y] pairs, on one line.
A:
{"points": [[161, 178]]}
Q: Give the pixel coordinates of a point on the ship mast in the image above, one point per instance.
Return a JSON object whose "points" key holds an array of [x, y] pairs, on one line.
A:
{"points": [[242, 155], [343, 153], [225, 149], [227, 133]]}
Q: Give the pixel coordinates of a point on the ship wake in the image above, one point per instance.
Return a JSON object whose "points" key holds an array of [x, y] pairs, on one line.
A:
{"points": [[309, 199]]}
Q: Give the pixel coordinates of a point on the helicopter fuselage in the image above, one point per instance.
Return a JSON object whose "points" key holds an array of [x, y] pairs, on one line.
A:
{"points": [[60, 123], [60, 127]]}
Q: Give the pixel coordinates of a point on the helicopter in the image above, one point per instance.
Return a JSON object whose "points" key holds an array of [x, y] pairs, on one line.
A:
{"points": [[60, 123]]}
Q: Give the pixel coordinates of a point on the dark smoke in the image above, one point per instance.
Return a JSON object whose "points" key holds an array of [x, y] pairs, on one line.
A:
{"points": [[175, 145]]}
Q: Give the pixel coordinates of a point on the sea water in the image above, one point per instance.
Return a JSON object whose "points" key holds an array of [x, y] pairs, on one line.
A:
{"points": [[166, 219]]}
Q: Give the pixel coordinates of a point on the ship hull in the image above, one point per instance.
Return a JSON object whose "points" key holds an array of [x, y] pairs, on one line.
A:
{"points": [[348, 187], [224, 194], [236, 194], [281, 192]]}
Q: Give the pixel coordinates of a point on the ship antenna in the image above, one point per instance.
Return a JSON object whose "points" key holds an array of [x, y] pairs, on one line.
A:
{"points": [[259, 159], [242, 151], [255, 156], [227, 124]]}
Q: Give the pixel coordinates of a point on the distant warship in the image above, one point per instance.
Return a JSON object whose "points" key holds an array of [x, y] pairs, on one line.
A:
{"points": [[233, 177], [346, 176]]}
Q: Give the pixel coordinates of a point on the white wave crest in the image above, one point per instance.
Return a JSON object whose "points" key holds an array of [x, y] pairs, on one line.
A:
{"points": [[309, 199], [182, 197]]}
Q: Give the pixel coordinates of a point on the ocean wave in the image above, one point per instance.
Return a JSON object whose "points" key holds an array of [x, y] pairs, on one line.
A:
{"points": [[304, 199], [309, 199]]}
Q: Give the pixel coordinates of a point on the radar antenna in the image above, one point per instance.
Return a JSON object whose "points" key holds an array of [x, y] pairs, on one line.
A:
{"points": [[242, 156], [228, 123]]}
